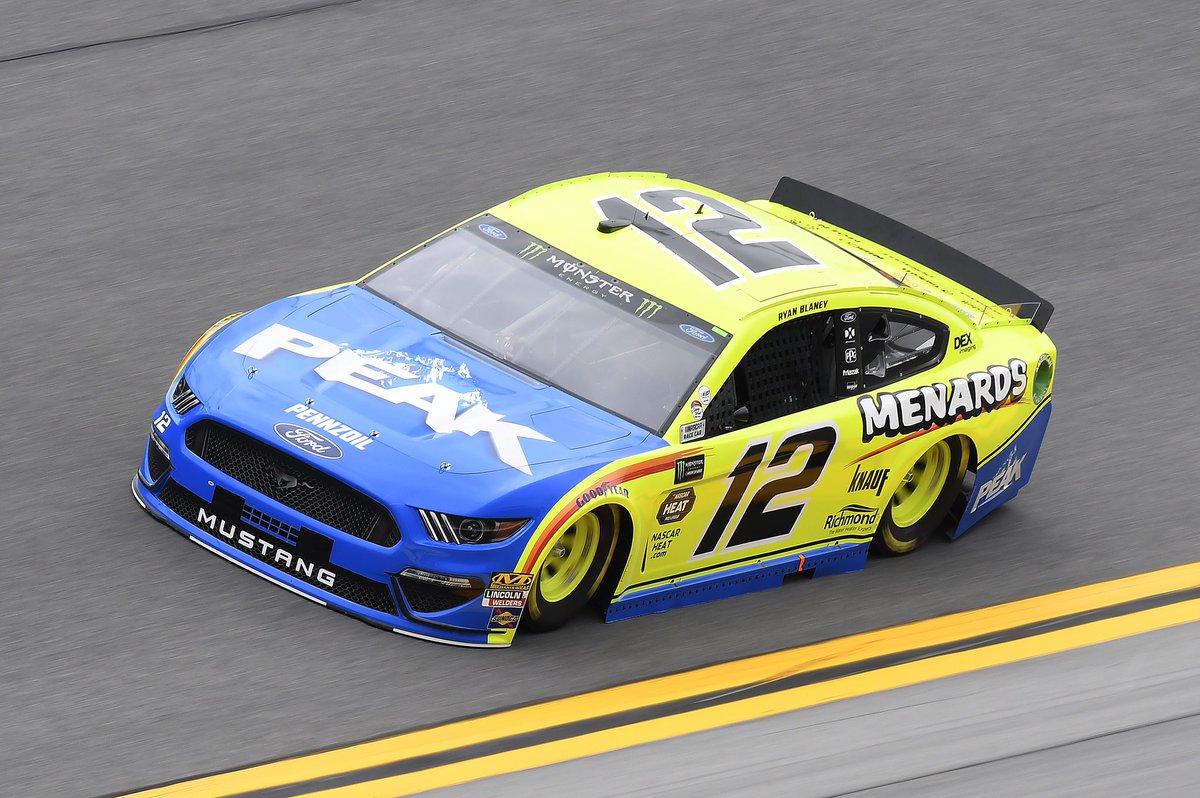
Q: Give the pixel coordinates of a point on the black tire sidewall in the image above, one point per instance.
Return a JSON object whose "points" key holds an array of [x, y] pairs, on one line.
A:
{"points": [[926, 525], [543, 615]]}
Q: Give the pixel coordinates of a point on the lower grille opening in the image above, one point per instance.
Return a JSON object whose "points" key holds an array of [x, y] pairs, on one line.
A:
{"points": [[292, 482], [157, 462], [427, 597], [348, 585]]}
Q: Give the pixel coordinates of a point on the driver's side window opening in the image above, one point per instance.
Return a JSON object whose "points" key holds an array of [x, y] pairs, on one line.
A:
{"points": [[813, 360], [897, 344], [780, 375]]}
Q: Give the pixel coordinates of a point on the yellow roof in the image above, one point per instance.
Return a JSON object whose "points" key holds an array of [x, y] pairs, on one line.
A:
{"points": [[566, 214]]}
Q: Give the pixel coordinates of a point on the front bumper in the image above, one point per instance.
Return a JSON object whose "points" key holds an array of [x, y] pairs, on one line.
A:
{"points": [[317, 562]]}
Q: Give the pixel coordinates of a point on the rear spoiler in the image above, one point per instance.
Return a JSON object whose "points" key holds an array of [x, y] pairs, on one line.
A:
{"points": [[916, 246]]}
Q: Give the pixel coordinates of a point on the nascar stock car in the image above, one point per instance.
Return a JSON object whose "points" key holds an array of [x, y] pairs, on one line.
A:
{"points": [[621, 390]]}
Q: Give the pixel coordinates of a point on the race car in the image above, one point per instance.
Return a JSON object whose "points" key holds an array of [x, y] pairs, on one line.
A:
{"points": [[622, 391]]}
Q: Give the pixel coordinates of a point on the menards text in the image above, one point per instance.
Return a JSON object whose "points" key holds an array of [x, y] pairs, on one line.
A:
{"points": [[934, 405]]}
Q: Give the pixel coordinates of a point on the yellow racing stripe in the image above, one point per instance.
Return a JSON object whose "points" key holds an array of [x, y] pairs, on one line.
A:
{"points": [[716, 678], [776, 703]]}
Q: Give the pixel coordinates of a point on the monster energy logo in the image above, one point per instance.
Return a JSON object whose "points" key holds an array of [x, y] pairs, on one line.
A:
{"points": [[531, 251], [648, 308]]}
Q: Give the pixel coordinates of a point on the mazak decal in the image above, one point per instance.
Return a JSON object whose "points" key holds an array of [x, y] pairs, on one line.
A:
{"points": [[853, 515], [871, 479], [1009, 474], [934, 405], [308, 440], [335, 428], [283, 559], [374, 375], [676, 506], [603, 489]]}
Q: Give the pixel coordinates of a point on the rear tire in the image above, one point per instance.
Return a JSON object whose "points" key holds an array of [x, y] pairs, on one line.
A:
{"points": [[920, 503], [572, 571]]}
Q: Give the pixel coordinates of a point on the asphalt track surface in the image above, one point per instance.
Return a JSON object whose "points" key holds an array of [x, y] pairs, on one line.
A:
{"points": [[1125, 722], [153, 185]]}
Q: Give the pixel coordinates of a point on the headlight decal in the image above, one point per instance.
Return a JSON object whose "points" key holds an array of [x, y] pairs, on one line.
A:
{"points": [[456, 529]]}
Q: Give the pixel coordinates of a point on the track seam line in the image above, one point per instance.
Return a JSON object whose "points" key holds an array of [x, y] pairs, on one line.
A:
{"points": [[180, 30], [1007, 757]]}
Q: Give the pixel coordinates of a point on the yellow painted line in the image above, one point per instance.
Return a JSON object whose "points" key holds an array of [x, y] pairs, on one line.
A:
{"points": [[748, 709], [681, 686]]}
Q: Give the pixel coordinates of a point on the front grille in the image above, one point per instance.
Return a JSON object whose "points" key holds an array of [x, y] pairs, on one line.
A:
{"points": [[183, 399], [292, 482], [157, 462], [348, 585], [427, 597], [270, 524]]}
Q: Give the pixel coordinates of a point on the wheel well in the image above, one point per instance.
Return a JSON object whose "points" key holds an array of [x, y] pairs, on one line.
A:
{"points": [[620, 558], [972, 454], [960, 502]]}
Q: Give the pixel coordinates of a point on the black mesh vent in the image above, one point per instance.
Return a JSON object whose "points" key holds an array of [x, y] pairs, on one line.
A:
{"points": [[775, 369], [183, 399], [427, 597], [292, 482], [270, 524], [182, 501], [718, 416], [156, 461], [348, 585]]}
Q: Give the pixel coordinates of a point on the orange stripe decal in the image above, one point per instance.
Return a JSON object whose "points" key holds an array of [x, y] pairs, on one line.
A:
{"points": [[627, 474]]}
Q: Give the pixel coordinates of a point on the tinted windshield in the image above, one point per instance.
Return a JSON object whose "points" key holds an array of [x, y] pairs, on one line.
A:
{"points": [[524, 302]]}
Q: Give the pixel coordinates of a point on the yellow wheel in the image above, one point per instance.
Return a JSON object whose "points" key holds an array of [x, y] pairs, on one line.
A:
{"points": [[572, 569], [922, 499]]}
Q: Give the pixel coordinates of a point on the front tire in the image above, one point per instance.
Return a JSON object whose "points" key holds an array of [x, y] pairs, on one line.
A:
{"points": [[921, 502], [572, 570]]}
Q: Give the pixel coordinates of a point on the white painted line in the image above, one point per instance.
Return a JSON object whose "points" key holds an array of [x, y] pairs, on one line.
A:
{"points": [[136, 495], [407, 633]]}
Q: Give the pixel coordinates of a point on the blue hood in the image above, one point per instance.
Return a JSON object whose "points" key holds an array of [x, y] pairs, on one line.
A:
{"points": [[387, 390]]}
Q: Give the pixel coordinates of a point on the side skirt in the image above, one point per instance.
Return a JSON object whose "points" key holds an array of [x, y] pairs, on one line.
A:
{"points": [[763, 575]]}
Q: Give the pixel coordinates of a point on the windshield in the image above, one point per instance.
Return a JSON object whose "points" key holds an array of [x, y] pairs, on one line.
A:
{"points": [[566, 323]]}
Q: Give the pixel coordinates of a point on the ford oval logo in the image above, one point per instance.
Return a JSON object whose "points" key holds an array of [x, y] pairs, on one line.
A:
{"points": [[493, 231], [309, 440], [849, 316], [697, 333]]}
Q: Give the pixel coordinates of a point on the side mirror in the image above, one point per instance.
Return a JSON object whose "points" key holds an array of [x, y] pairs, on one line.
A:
{"points": [[741, 416]]}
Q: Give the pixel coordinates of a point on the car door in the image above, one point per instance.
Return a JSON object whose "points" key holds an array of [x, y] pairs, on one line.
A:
{"points": [[780, 433]]}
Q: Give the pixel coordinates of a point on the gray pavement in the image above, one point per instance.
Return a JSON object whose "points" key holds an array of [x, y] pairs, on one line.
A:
{"points": [[150, 188], [1119, 719]]}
